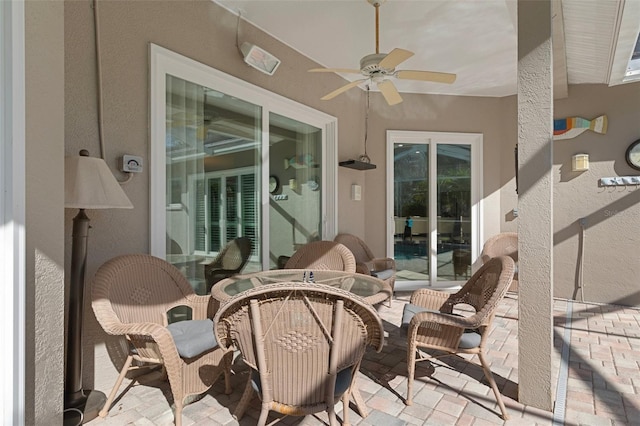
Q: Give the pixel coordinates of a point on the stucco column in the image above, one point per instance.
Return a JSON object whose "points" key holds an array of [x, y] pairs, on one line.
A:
{"points": [[535, 203], [44, 200]]}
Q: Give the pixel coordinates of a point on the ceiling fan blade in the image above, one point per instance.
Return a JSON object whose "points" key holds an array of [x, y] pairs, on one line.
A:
{"points": [[389, 92], [438, 77], [396, 57], [342, 89], [342, 70]]}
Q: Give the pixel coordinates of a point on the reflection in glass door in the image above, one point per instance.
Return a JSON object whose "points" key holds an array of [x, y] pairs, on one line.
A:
{"points": [[453, 226], [410, 210], [213, 154], [435, 207], [295, 199]]}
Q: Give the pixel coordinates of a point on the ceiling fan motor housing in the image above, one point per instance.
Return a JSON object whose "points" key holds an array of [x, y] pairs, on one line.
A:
{"points": [[378, 67], [369, 65]]}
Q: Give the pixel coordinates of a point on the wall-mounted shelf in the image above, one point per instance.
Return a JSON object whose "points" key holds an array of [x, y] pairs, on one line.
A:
{"points": [[358, 165]]}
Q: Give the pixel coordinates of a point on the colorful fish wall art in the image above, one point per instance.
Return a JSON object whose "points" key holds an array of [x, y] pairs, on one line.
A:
{"points": [[567, 128]]}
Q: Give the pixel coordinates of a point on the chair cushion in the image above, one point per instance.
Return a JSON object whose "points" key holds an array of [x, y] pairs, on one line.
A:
{"points": [[343, 380], [193, 337], [470, 338], [383, 275]]}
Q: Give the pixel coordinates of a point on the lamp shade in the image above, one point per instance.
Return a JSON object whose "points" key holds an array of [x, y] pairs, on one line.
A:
{"points": [[89, 184]]}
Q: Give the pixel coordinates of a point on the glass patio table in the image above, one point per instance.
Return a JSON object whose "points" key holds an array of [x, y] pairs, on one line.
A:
{"points": [[371, 289]]}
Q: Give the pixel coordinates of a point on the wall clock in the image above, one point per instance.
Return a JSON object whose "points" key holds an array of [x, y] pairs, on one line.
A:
{"points": [[274, 184], [633, 155]]}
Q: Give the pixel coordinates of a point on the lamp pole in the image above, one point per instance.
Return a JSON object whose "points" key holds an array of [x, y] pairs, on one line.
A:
{"points": [[74, 395], [80, 406]]}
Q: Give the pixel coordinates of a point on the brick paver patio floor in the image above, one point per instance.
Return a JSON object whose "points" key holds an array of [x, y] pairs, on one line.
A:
{"points": [[598, 385]]}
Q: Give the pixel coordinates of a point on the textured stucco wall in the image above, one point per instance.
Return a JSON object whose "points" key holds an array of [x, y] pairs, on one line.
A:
{"points": [[611, 263], [44, 81]]}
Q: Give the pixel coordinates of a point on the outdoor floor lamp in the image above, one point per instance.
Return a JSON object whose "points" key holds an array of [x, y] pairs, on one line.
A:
{"points": [[88, 184]]}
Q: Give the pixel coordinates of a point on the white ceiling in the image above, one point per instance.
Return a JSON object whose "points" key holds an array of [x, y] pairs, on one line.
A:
{"points": [[475, 39]]}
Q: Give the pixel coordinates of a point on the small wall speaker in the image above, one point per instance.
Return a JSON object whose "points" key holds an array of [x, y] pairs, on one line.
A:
{"points": [[259, 58]]}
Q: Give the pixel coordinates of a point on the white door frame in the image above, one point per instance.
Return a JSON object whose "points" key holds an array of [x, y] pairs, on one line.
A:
{"points": [[12, 209], [475, 140], [164, 62]]}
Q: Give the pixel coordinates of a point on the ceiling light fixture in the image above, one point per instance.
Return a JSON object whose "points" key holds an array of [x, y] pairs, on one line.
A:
{"points": [[259, 58]]}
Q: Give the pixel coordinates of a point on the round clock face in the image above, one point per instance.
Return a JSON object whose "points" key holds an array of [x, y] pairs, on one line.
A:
{"points": [[633, 155], [273, 184]]}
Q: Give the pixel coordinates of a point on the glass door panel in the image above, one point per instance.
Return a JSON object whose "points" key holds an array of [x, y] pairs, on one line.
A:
{"points": [[295, 202], [213, 153], [231, 159], [411, 211], [453, 212]]}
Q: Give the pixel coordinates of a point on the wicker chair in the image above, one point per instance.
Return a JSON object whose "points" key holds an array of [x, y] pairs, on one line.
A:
{"points": [[366, 263], [432, 324], [503, 244], [133, 296], [228, 262], [303, 343], [323, 255]]}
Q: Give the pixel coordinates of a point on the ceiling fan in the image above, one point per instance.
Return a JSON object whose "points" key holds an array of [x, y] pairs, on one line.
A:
{"points": [[379, 67]]}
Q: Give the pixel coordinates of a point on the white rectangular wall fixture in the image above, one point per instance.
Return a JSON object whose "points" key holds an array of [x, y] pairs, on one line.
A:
{"points": [[620, 181], [356, 192]]}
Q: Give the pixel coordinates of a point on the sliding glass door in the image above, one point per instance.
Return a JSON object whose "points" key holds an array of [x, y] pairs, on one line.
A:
{"points": [[232, 160], [434, 209]]}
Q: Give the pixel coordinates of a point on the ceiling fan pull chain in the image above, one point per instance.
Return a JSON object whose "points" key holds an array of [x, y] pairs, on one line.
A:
{"points": [[365, 158]]}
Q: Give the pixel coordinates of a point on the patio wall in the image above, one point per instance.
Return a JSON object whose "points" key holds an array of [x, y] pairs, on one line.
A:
{"points": [[437, 113], [611, 260], [127, 28], [611, 263]]}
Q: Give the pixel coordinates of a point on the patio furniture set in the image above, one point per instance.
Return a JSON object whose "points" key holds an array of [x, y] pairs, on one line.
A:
{"points": [[302, 330]]}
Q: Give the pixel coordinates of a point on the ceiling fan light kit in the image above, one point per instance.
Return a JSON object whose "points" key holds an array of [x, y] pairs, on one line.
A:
{"points": [[380, 68]]}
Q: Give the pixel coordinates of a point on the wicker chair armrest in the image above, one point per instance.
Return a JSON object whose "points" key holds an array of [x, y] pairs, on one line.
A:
{"points": [[162, 337], [146, 329], [430, 299], [383, 263], [203, 306], [440, 331], [423, 319]]}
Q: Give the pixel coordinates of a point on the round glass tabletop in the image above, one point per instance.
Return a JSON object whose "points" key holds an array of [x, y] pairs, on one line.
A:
{"points": [[372, 289]]}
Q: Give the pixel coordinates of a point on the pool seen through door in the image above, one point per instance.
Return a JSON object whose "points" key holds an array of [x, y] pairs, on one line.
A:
{"points": [[435, 207]]}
